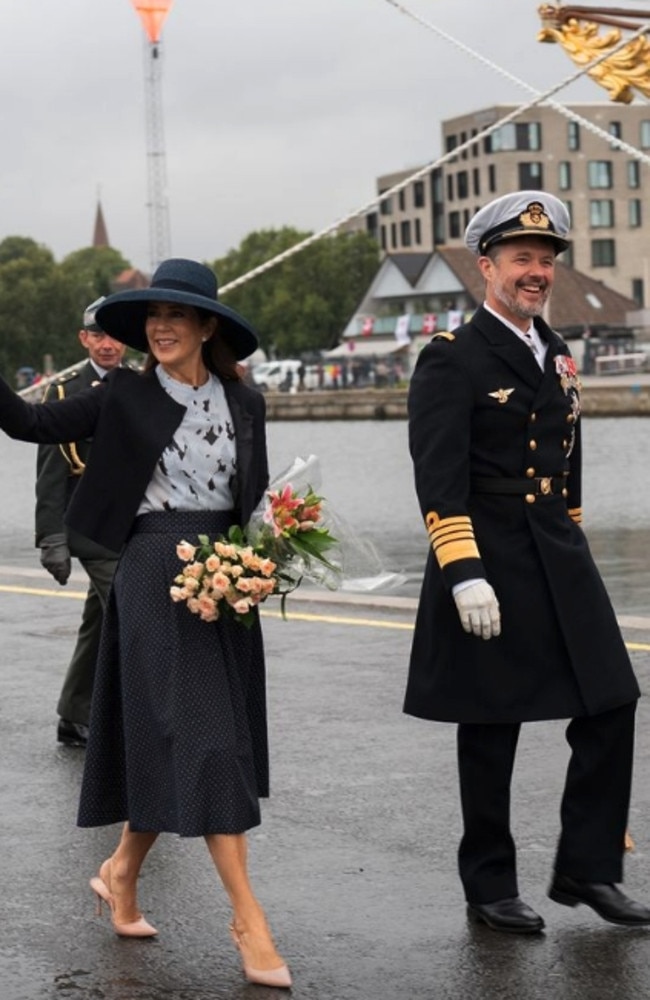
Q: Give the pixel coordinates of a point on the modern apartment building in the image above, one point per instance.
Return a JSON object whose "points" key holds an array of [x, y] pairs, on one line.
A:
{"points": [[605, 189]]}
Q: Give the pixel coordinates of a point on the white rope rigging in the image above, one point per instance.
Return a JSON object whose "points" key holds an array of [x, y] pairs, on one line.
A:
{"points": [[539, 98], [560, 108]]}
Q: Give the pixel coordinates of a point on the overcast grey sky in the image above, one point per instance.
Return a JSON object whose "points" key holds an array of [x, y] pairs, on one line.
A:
{"points": [[277, 112]]}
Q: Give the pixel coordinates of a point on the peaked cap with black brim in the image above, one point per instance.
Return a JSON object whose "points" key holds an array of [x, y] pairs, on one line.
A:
{"points": [[123, 315], [522, 213]]}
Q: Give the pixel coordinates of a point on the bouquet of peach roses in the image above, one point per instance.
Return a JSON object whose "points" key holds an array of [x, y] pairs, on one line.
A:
{"points": [[284, 542]]}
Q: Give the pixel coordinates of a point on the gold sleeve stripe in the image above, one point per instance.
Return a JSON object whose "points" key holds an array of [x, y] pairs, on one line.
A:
{"points": [[452, 538], [453, 551], [575, 513], [447, 523]]}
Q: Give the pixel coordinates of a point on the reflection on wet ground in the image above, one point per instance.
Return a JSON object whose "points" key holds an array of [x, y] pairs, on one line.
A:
{"points": [[355, 860]]}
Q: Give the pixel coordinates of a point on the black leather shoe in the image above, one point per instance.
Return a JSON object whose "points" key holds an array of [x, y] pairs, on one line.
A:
{"points": [[72, 734], [605, 898], [510, 915]]}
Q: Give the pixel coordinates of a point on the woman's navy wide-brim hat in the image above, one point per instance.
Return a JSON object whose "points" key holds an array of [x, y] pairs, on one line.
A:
{"points": [[123, 315]]}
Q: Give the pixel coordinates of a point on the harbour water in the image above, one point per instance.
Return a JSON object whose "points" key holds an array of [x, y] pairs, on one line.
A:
{"points": [[367, 479]]}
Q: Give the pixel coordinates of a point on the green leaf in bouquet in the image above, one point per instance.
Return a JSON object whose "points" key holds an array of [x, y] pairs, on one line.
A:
{"points": [[236, 535], [314, 543]]}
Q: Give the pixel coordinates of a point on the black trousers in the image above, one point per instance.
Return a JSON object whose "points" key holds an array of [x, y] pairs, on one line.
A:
{"points": [[593, 811], [77, 690]]}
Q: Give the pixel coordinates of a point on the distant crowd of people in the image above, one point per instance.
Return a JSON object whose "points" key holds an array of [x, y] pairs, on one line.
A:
{"points": [[347, 374], [27, 376]]}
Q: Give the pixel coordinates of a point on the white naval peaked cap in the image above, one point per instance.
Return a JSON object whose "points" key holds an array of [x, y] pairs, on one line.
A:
{"points": [[89, 321], [523, 213]]}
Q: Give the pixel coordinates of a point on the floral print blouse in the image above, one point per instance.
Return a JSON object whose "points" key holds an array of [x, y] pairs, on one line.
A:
{"points": [[197, 468]]}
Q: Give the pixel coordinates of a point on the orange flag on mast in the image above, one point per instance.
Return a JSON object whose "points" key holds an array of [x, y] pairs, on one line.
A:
{"points": [[153, 14]]}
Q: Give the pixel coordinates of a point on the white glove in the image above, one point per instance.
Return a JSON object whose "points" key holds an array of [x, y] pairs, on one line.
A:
{"points": [[479, 610]]}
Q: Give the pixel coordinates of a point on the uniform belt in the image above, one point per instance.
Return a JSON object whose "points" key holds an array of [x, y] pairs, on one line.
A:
{"points": [[537, 485]]}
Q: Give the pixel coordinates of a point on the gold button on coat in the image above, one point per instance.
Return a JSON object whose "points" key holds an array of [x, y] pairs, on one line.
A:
{"points": [[530, 472], [532, 445], [530, 498]]}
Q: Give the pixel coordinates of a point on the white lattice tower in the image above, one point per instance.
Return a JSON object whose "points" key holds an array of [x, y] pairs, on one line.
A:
{"points": [[158, 202]]}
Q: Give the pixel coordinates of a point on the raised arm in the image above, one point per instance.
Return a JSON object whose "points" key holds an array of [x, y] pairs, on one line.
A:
{"points": [[51, 423]]}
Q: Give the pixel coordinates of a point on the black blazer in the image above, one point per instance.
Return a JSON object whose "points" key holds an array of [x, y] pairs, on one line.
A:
{"points": [[132, 420]]}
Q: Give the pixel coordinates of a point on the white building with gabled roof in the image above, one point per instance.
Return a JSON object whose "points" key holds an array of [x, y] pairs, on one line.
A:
{"points": [[414, 295]]}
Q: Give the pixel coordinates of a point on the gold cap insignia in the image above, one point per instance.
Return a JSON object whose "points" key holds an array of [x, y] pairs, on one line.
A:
{"points": [[501, 395], [535, 217]]}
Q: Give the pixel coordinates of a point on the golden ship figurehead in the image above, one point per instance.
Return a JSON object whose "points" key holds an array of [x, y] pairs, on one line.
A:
{"points": [[577, 29]]}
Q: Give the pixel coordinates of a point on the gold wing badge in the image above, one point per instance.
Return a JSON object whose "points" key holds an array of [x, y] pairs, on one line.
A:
{"points": [[501, 395], [576, 29]]}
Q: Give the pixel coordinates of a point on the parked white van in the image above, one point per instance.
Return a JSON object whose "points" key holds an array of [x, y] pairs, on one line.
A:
{"points": [[277, 375]]}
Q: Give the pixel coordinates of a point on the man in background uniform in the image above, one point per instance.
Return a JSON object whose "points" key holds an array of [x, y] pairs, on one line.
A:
{"points": [[58, 470], [514, 624]]}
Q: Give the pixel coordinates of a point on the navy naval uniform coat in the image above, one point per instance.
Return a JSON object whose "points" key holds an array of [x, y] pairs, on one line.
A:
{"points": [[482, 412]]}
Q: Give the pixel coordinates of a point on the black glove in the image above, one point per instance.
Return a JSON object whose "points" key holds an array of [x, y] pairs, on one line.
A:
{"points": [[55, 557]]}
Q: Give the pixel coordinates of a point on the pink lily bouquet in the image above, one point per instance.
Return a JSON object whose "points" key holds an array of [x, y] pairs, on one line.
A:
{"points": [[284, 543]]}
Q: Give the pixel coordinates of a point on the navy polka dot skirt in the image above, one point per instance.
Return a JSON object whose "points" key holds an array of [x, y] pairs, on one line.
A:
{"points": [[178, 734]]}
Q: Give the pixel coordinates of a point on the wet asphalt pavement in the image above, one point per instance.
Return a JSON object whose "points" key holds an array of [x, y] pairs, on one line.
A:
{"points": [[355, 858]]}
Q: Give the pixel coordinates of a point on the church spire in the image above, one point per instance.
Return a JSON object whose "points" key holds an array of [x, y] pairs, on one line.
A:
{"points": [[100, 234]]}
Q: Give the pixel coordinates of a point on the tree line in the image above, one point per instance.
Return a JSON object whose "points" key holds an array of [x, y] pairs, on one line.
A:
{"points": [[298, 307]]}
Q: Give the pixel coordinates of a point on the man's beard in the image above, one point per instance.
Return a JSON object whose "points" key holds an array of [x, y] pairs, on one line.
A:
{"points": [[518, 308]]}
